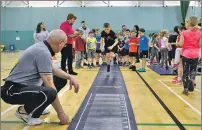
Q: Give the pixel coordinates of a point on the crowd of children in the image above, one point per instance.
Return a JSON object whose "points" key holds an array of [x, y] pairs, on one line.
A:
{"points": [[123, 53], [183, 47], [123, 49]]}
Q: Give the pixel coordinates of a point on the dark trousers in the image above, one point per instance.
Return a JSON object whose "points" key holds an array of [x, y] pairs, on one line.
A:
{"points": [[138, 55], [189, 69], [34, 98], [67, 55]]}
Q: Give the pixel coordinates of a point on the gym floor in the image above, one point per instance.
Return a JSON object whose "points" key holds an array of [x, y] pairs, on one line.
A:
{"points": [[157, 103]]}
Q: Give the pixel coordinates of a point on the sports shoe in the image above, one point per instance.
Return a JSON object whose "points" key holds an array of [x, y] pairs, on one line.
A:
{"points": [[133, 68], [177, 81], [46, 111], [27, 119], [185, 91], [175, 78], [141, 70]]}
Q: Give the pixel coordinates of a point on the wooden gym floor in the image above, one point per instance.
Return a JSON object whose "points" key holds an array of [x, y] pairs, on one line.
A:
{"points": [[148, 112]]}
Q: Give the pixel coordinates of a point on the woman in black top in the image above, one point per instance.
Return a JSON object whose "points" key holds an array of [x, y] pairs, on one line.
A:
{"points": [[172, 40], [109, 39]]}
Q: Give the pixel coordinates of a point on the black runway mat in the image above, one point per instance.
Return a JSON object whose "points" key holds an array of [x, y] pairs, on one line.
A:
{"points": [[107, 105]]}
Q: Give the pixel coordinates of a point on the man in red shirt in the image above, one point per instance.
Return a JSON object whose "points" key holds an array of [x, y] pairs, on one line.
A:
{"points": [[66, 52]]}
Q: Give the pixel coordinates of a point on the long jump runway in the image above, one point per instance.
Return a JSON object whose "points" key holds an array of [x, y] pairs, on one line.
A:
{"points": [[107, 105]]}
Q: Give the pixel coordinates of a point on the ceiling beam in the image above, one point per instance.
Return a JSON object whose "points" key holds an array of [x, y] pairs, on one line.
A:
{"points": [[60, 3], [80, 3], [106, 2], [7, 2]]}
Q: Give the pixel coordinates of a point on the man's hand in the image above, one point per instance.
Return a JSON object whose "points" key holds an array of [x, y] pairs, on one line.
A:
{"points": [[64, 119], [74, 82]]}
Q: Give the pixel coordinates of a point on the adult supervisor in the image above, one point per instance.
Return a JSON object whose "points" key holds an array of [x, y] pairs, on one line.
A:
{"points": [[66, 52], [24, 85]]}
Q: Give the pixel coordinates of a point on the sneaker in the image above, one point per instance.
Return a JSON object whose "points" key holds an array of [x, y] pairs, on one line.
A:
{"points": [[141, 70], [93, 66], [73, 73], [190, 86], [134, 68], [130, 67], [46, 111], [185, 91], [89, 66], [84, 64], [26, 118], [175, 78], [176, 81]]}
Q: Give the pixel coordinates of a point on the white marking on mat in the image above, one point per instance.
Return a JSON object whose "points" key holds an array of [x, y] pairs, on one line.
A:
{"points": [[193, 108], [127, 113], [83, 112]]}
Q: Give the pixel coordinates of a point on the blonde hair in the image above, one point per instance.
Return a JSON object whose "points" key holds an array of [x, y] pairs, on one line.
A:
{"points": [[193, 20], [164, 33]]}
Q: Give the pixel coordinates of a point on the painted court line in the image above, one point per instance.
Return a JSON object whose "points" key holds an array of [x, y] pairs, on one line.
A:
{"points": [[83, 111], [193, 108], [138, 124]]}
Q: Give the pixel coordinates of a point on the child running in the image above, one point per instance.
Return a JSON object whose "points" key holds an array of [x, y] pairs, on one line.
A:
{"points": [[133, 49], [109, 39], [190, 41]]}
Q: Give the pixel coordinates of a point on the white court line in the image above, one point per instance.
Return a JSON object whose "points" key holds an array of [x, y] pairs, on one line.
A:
{"points": [[7, 110], [193, 108], [83, 112], [127, 113]]}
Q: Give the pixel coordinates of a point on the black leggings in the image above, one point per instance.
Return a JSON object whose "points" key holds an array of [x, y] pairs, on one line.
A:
{"points": [[189, 70], [34, 98]]}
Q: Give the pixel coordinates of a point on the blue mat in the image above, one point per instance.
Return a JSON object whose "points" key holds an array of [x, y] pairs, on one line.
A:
{"points": [[107, 105], [164, 71], [161, 71]]}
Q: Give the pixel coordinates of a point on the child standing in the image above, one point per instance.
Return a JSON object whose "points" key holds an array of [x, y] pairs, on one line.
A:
{"points": [[126, 38], [144, 47], [121, 48], [133, 49], [91, 47], [164, 48], [98, 51], [155, 50], [190, 40], [79, 49]]}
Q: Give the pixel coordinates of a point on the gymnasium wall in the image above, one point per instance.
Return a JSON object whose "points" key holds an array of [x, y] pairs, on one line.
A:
{"points": [[21, 22]]}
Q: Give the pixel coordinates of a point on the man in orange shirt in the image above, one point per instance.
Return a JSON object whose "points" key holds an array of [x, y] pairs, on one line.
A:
{"points": [[133, 50]]}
